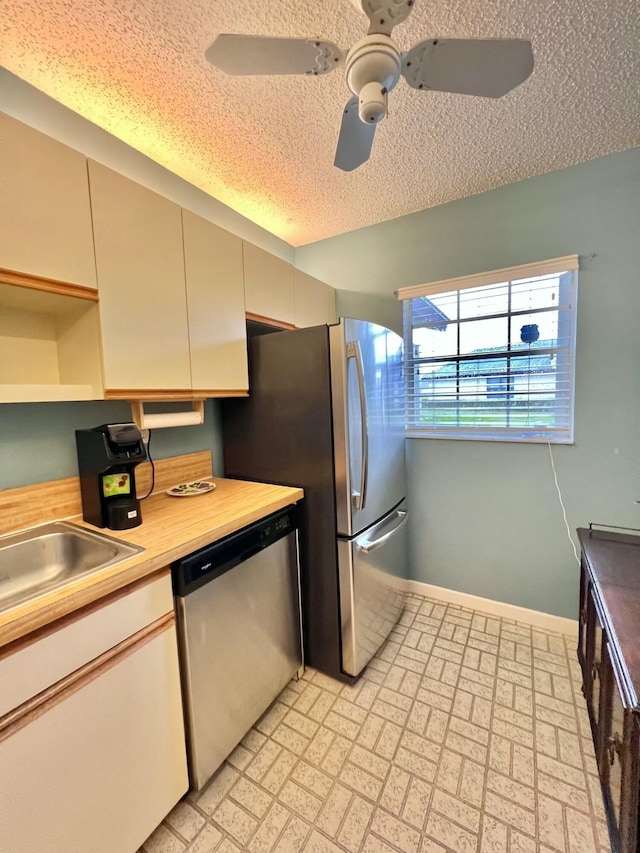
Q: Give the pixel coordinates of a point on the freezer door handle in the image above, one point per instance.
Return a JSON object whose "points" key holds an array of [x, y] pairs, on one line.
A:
{"points": [[359, 498], [371, 544]]}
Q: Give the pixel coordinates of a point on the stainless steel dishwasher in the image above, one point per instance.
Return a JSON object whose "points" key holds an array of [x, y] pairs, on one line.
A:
{"points": [[238, 611]]}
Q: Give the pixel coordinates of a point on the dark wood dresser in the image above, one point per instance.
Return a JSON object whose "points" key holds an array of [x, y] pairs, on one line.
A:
{"points": [[609, 654]]}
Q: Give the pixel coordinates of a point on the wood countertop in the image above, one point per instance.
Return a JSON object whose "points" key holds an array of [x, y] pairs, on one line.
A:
{"points": [[171, 528]]}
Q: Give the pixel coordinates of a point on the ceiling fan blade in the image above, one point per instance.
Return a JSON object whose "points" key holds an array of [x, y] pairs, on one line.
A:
{"points": [[384, 15], [238, 55], [486, 67], [355, 140]]}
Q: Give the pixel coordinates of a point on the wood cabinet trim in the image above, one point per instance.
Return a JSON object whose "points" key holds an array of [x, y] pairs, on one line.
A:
{"points": [[269, 321], [161, 395], [48, 285], [33, 708], [171, 396], [222, 392]]}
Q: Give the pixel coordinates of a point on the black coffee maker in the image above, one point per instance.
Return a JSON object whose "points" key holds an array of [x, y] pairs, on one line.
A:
{"points": [[107, 456]]}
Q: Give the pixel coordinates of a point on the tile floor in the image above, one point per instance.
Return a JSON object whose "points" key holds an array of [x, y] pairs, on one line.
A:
{"points": [[466, 733]]}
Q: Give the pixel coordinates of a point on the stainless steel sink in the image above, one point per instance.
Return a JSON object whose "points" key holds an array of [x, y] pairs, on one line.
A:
{"points": [[46, 557]]}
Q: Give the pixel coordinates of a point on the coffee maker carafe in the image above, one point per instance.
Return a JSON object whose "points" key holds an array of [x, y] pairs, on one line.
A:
{"points": [[107, 457]]}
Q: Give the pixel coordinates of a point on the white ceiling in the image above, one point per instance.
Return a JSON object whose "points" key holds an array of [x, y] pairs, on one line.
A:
{"points": [[265, 146]]}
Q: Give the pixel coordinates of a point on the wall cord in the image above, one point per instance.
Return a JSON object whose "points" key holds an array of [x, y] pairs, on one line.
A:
{"points": [[564, 512], [147, 444]]}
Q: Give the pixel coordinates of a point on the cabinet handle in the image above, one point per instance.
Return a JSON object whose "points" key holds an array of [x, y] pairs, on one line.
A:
{"points": [[595, 669], [614, 747], [583, 615]]}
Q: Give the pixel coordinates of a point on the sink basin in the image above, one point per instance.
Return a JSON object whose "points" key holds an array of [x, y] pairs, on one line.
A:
{"points": [[46, 557]]}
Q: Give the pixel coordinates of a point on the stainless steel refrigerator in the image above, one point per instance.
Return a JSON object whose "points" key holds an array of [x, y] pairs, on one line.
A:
{"points": [[326, 412]]}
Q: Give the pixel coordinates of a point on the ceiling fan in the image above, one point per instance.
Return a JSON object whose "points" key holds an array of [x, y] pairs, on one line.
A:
{"points": [[486, 67]]}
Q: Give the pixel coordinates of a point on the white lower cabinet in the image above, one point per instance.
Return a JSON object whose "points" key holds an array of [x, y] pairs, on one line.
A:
{"points": [[96, 761]]}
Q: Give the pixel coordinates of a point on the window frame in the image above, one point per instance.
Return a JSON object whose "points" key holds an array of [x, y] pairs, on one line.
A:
{"points": [[559, 432]]}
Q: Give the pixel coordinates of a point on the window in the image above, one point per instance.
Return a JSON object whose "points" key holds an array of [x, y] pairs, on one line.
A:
{"points": [[491, 356], [499, 387]]}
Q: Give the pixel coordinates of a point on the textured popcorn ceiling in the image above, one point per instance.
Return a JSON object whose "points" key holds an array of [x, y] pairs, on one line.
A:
{"points": [[265, 146]]}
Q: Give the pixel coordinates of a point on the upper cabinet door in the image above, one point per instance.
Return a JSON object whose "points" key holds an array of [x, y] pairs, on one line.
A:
{"points": [[268, 285], [140, 266], [333, 317], [215, 299], [45, 215], [314, 300]]}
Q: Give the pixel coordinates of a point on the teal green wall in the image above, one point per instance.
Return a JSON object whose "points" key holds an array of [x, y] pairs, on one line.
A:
{"points": [[485, 517], [37, 440]]}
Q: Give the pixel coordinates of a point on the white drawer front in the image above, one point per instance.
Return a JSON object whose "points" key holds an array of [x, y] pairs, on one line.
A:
{"points": [[33, 668], [100, 768]]}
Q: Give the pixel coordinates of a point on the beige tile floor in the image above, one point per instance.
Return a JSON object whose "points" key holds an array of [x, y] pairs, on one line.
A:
{"points": [[466, 733]]}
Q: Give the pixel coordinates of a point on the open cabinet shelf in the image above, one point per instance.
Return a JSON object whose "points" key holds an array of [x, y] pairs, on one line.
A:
{"points": [[49, 345]]}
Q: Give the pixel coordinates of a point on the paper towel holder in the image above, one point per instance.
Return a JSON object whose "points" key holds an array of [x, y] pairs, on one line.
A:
{"points": [[146, 420]]}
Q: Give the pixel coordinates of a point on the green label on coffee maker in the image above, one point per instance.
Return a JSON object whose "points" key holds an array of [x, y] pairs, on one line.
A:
{"points": [[116, 484]]}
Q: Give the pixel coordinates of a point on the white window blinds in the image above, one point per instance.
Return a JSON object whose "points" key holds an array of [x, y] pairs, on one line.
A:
{"points": [[492, 356]]}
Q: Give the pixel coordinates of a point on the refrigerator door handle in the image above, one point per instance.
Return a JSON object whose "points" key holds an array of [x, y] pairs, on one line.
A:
{"points": [[371, 544], [359, 498]]}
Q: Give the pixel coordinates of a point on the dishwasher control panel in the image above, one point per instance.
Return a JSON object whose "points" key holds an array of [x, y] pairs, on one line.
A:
{"points": [[204, 565]]}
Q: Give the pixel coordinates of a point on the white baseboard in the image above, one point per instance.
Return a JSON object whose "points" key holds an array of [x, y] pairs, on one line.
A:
{"points": [[536, 618]]}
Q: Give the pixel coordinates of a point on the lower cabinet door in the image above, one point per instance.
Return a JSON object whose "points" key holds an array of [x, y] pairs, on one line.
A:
{"points": [[96, 767], [635, 785], [614, 752], [620, 770], [593, 680]]}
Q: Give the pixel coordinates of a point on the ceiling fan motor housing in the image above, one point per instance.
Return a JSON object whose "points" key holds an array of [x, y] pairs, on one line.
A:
{"points": [[372, 70]]}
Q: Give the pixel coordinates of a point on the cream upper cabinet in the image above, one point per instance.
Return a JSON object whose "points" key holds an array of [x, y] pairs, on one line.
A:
{"points": [[45, 215], [140, 267], [215, 299], [332, 304], [314, 301], [268, 286]]}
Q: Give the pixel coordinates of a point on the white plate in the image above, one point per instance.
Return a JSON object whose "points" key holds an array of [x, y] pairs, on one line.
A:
{"points": [[189, 490]]}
